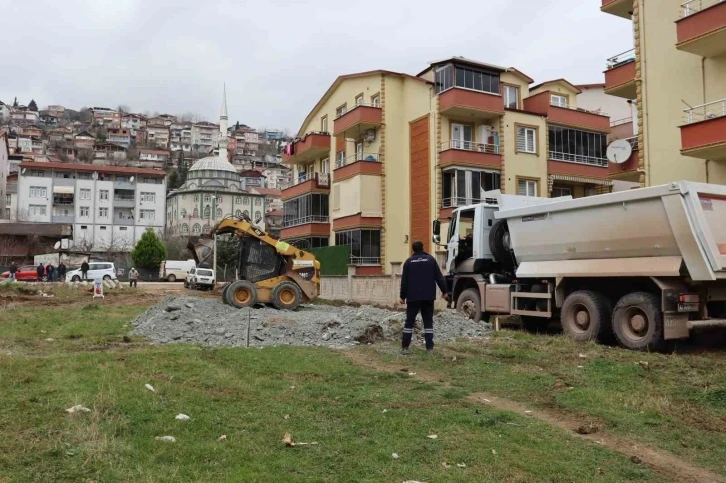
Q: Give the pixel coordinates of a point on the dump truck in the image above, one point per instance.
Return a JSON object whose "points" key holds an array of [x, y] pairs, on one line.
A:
{"points": [[270, 271], [643, 266]]}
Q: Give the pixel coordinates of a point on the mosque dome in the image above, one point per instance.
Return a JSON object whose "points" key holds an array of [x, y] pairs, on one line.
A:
{"points": [[213, 163]]}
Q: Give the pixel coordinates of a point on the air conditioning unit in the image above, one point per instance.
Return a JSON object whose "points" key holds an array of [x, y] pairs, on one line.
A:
{"points": [[370, 135]]}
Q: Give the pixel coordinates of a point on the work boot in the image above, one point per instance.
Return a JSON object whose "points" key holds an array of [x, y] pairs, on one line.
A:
{"points": [[430, 351], [405, 352]]}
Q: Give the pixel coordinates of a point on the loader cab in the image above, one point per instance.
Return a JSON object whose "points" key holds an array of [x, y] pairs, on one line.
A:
{"points": [[468, 237]]}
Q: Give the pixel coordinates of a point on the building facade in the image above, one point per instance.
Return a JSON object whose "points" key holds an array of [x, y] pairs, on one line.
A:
{"points": [[676, 77], [109, 207], [383, 154], [4, 174], [205, 137], [158, 135]]}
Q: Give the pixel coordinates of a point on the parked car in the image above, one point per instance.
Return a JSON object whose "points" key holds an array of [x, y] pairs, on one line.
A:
{"points": [[25, 273], [173, 270], [102, 270], [200, 278]]}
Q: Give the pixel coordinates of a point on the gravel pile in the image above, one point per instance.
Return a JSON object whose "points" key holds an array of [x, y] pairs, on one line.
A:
{"points": [[210, 322]]}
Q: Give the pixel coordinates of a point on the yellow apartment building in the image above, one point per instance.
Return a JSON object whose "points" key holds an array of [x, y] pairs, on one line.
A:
{"points": [[382, 154], [676, 76]]}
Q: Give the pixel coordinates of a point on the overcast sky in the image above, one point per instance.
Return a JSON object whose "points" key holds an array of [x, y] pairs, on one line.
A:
{"points": [[279, 56]]}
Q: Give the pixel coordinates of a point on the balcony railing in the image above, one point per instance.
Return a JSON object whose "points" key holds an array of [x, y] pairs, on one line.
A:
{"points": [[624, 58], [305, 220], [578, 158], [695, 6], [620, 122], [322, 178], [712, 110], [365, 260], [347, 110], [374, 158], [470, 146]]}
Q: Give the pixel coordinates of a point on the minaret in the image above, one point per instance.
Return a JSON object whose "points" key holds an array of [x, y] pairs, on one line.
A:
{"points": [[223, 126]]}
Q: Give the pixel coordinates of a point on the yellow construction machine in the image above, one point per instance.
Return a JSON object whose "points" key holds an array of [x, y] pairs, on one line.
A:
{"points": [[270, 271]]}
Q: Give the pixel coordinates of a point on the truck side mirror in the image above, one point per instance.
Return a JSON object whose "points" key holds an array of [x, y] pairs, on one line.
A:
{"points": [[437, 228]]}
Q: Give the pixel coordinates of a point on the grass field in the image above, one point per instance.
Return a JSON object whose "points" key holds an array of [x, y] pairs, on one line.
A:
{"points": [[359, 415]]}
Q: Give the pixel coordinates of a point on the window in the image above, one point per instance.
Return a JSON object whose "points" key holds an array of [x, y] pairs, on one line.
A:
{"points": [[205, 228], [462, 136], [376, 100], [103, 212], [238, 200], [309, 208], [365, 245], [511, 97], [258, 201], [36, 173], [207, 198], [527, 187], [150, 197], [38, 192], [359, 152], [196, 197], [526, 140], [103, 195], [185, 228], [197, 228], [324, 124], [339, 159], [219, 198], [85, 211], [359, 100], [463, 187], [247, 201], [84, 175], [36, 210], [341, 110], [558, 100], [246, 213], [207, 211], [196, 213], [238, 213], [123, 228], [85, 194], [576, 146], [558, 192], [219, 212], [258, 216], [7, 199], [449, 76], [146, 214], [84, 227], [325, 166]]}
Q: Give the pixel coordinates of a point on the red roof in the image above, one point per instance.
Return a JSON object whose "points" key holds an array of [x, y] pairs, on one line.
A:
{"points": [[268, 192], [92, 167]]}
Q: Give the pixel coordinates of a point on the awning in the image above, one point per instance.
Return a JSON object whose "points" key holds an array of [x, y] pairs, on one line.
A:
{"points": [[63, 190], [581, 179]]}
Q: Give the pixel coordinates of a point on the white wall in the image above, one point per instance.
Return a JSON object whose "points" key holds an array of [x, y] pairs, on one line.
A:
{"points": [[24, 199]]}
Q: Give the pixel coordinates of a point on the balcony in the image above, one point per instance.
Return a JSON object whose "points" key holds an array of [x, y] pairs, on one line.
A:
{"points": [[308, 183], [566, 115], [703, 135], [467, 153], [62, 219], [359, 163], [312, 146], [126, 221], [619, 8], [357, 120], [124, 201], [124, 185], [620, 75], [701, 30], [467, 104], [627, 171]]}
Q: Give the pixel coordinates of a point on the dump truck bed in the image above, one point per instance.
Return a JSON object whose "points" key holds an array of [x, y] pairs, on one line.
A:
{"points": [[651, 231]]}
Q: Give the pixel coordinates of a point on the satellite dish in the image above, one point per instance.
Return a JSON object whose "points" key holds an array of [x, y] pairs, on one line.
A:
{"points": [[22, 171], [131, 179], [619, 151]]}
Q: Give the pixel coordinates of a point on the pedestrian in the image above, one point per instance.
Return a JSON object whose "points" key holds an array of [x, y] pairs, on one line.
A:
{"points": [[62, 269], [50, 272], [421, 275], [133, 277], [40, 271], [84, 270], [13, 271]]}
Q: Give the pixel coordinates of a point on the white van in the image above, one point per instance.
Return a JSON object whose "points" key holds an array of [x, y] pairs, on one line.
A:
{"points": [[173, 270]]}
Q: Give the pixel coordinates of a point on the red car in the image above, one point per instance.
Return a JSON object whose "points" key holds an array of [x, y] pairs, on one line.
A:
{"points": [[26, 273]]}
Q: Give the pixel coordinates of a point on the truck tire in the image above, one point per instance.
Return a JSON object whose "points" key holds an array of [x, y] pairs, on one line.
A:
{"points": [[225, 293], [242, 294], [171, 278], [469, 305], [586, 316], [286, 296], [638, 321], [499, 244]]}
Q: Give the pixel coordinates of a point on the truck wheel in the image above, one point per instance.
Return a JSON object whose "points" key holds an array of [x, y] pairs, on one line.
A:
{"points": [[286, 296], [585, 316], [638, 321], [499, 244], [171, 278], [242, 294], [469, 304]]}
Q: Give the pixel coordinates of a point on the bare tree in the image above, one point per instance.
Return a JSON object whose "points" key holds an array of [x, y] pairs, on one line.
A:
{"points": [[191, 117], [123, 108]]}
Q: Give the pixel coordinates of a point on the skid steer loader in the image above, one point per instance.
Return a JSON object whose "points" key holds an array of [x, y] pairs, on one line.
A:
{"points": [[270, 271]]}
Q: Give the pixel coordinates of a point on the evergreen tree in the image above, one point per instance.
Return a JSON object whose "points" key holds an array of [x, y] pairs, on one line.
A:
{"points": [[172, 180], [33, 106], [149, 252], [15, 102], [182, 168]]}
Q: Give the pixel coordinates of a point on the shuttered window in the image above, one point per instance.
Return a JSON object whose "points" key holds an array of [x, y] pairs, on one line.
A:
{"points": [[526, 140], [527, 187]]}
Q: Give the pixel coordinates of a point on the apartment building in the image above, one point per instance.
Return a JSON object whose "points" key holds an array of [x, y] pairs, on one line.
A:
{"points": [[109, 152], [84, 140], [205, 137], [162, 120], [104, 116], [23, 116], [181, 137], [119, 136], [109, 207], [133, 122], [158, 135], [676, 77], [382, 154], [154, 155]]}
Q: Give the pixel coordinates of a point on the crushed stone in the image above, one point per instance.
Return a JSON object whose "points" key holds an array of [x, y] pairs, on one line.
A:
{"points": [[212, 323]]}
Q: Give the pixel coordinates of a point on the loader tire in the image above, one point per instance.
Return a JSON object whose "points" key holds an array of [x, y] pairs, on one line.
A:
{"points": [[242, 294], [225, 293], [286, 296], [499, 244], [638, 322], [586, 316], [469, 305]]}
